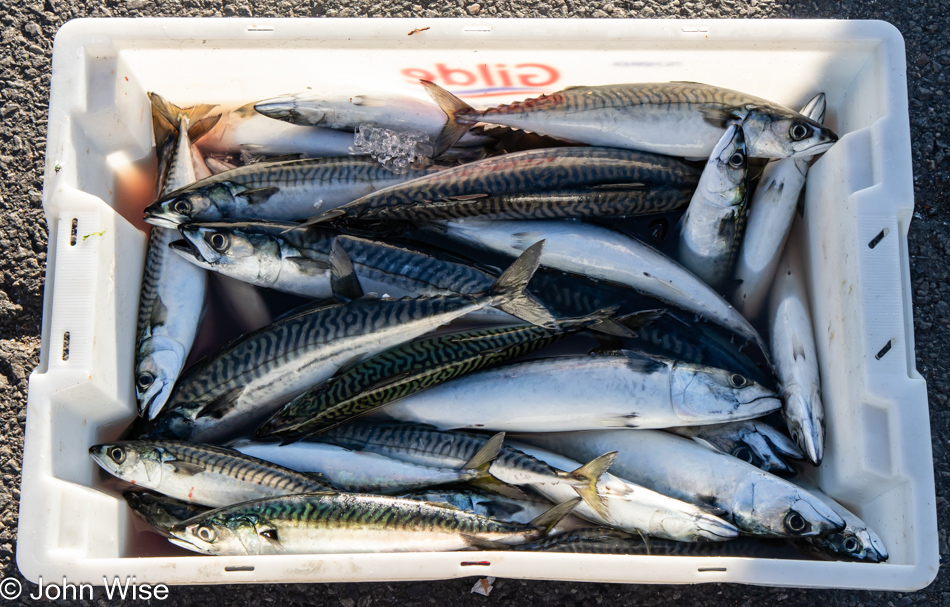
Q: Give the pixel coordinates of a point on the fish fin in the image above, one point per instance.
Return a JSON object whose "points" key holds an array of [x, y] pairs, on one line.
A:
{"points": [[619, 186], [589, 474], [626, 326], [184, 468], [548, 520], [508, 292], [259, 195], [611, 327], [201, 128], [323, 218], [705, 443], [717, 116], [219, 407], [479, 543], [309, 267], [798, 349], [522, 240], [483, 458], [465, 197], [159, 313], [452, 106], [640, 362], [493, 485], [343, 280]]}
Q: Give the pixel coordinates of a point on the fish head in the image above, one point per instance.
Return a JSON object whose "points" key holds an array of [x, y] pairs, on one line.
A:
{"points": [[805, 418], [222, 533], [725, 173], [756, 449], [701, 393], [313, 112], [775, 132], [279, 108], [158, 365], [132, 461], [766, 505], [853, 543], [230, 249], [193, 204]]}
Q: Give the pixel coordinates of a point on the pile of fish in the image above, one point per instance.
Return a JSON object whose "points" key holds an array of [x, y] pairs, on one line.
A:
{"points": [[530, 327]]}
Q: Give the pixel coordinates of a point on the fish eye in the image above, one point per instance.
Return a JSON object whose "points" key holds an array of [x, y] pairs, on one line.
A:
{"points": [[117, 454], [659, 228], [744, 453], [738, 381], [144, 380], [206, 533], [737, 160], [219, 242], [182, 207], [270, 534], [850, 544], [799, 131], [795, 522]]}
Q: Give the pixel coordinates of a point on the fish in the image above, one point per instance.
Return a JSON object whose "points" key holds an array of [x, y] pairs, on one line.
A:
{"points": [[411, 368], [281, 190], [674, 118], [200, 474], [769, 220], [603, 254], [635, 508], [426, 446], [856, 542], [322, 523], [527, 173], [796, 357], [711, 229], [246, 381], [624, 389], [160, 511], [279, 256], [244, 130], [362, 471], [756, 502], [606, 540], [752, 441], [347, 110], [173, 291]]}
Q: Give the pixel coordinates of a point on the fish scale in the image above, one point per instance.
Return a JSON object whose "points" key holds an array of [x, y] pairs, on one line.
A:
{"points": [[407, 369]]}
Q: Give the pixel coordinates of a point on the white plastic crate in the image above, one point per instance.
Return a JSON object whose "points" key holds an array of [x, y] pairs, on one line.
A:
{"points": [[878, 442]]}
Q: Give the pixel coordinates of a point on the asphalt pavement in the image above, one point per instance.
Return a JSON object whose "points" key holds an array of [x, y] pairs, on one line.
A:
{"points": [[28, 29]]}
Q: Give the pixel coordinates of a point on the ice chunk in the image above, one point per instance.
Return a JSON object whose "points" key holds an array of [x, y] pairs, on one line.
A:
{"points": [[397, 150]]}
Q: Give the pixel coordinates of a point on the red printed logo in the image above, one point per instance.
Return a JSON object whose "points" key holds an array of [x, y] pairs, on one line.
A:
{"points": [[488, 79]]}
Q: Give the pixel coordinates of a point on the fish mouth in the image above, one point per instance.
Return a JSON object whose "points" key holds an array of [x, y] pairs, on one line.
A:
{"points": [[162, 222], [186, 545], [185, 248], [760, 405]]}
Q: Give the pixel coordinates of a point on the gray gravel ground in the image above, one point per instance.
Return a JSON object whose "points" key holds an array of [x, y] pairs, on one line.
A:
{"points": [[25, 50]]}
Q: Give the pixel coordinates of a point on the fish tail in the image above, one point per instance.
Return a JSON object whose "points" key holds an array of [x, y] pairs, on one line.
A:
{"points": [[452, 106], [172, 114], [508, 292], [548, 520], [587, 476], [493, 485], [484, 457]]}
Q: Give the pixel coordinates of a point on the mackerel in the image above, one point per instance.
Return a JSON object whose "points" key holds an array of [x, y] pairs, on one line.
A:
{"points": [[796, 357], [584, 169], [320, 523], [856, 542], [362, 471], [411, 368], [635, 508], [752, 441], [771, 212], [428, 447], [277, 190], [755, 501], [711, 229], [161, 511], [173, 291], [675, 118], [616, 390], [248, 379], [604, 254], [200, 474]]}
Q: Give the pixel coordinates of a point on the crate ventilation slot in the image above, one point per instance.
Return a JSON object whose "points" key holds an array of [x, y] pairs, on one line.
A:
{"points": [[262, 28], [695, 30], [66, 345], [887, 348], [73, 232], [877, 239], [475, 563], [705, 569], [239, 568], [477, 28]]}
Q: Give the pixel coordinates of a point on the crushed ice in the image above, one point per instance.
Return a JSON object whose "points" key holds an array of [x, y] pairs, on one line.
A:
{"points": [[398, 151]]}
